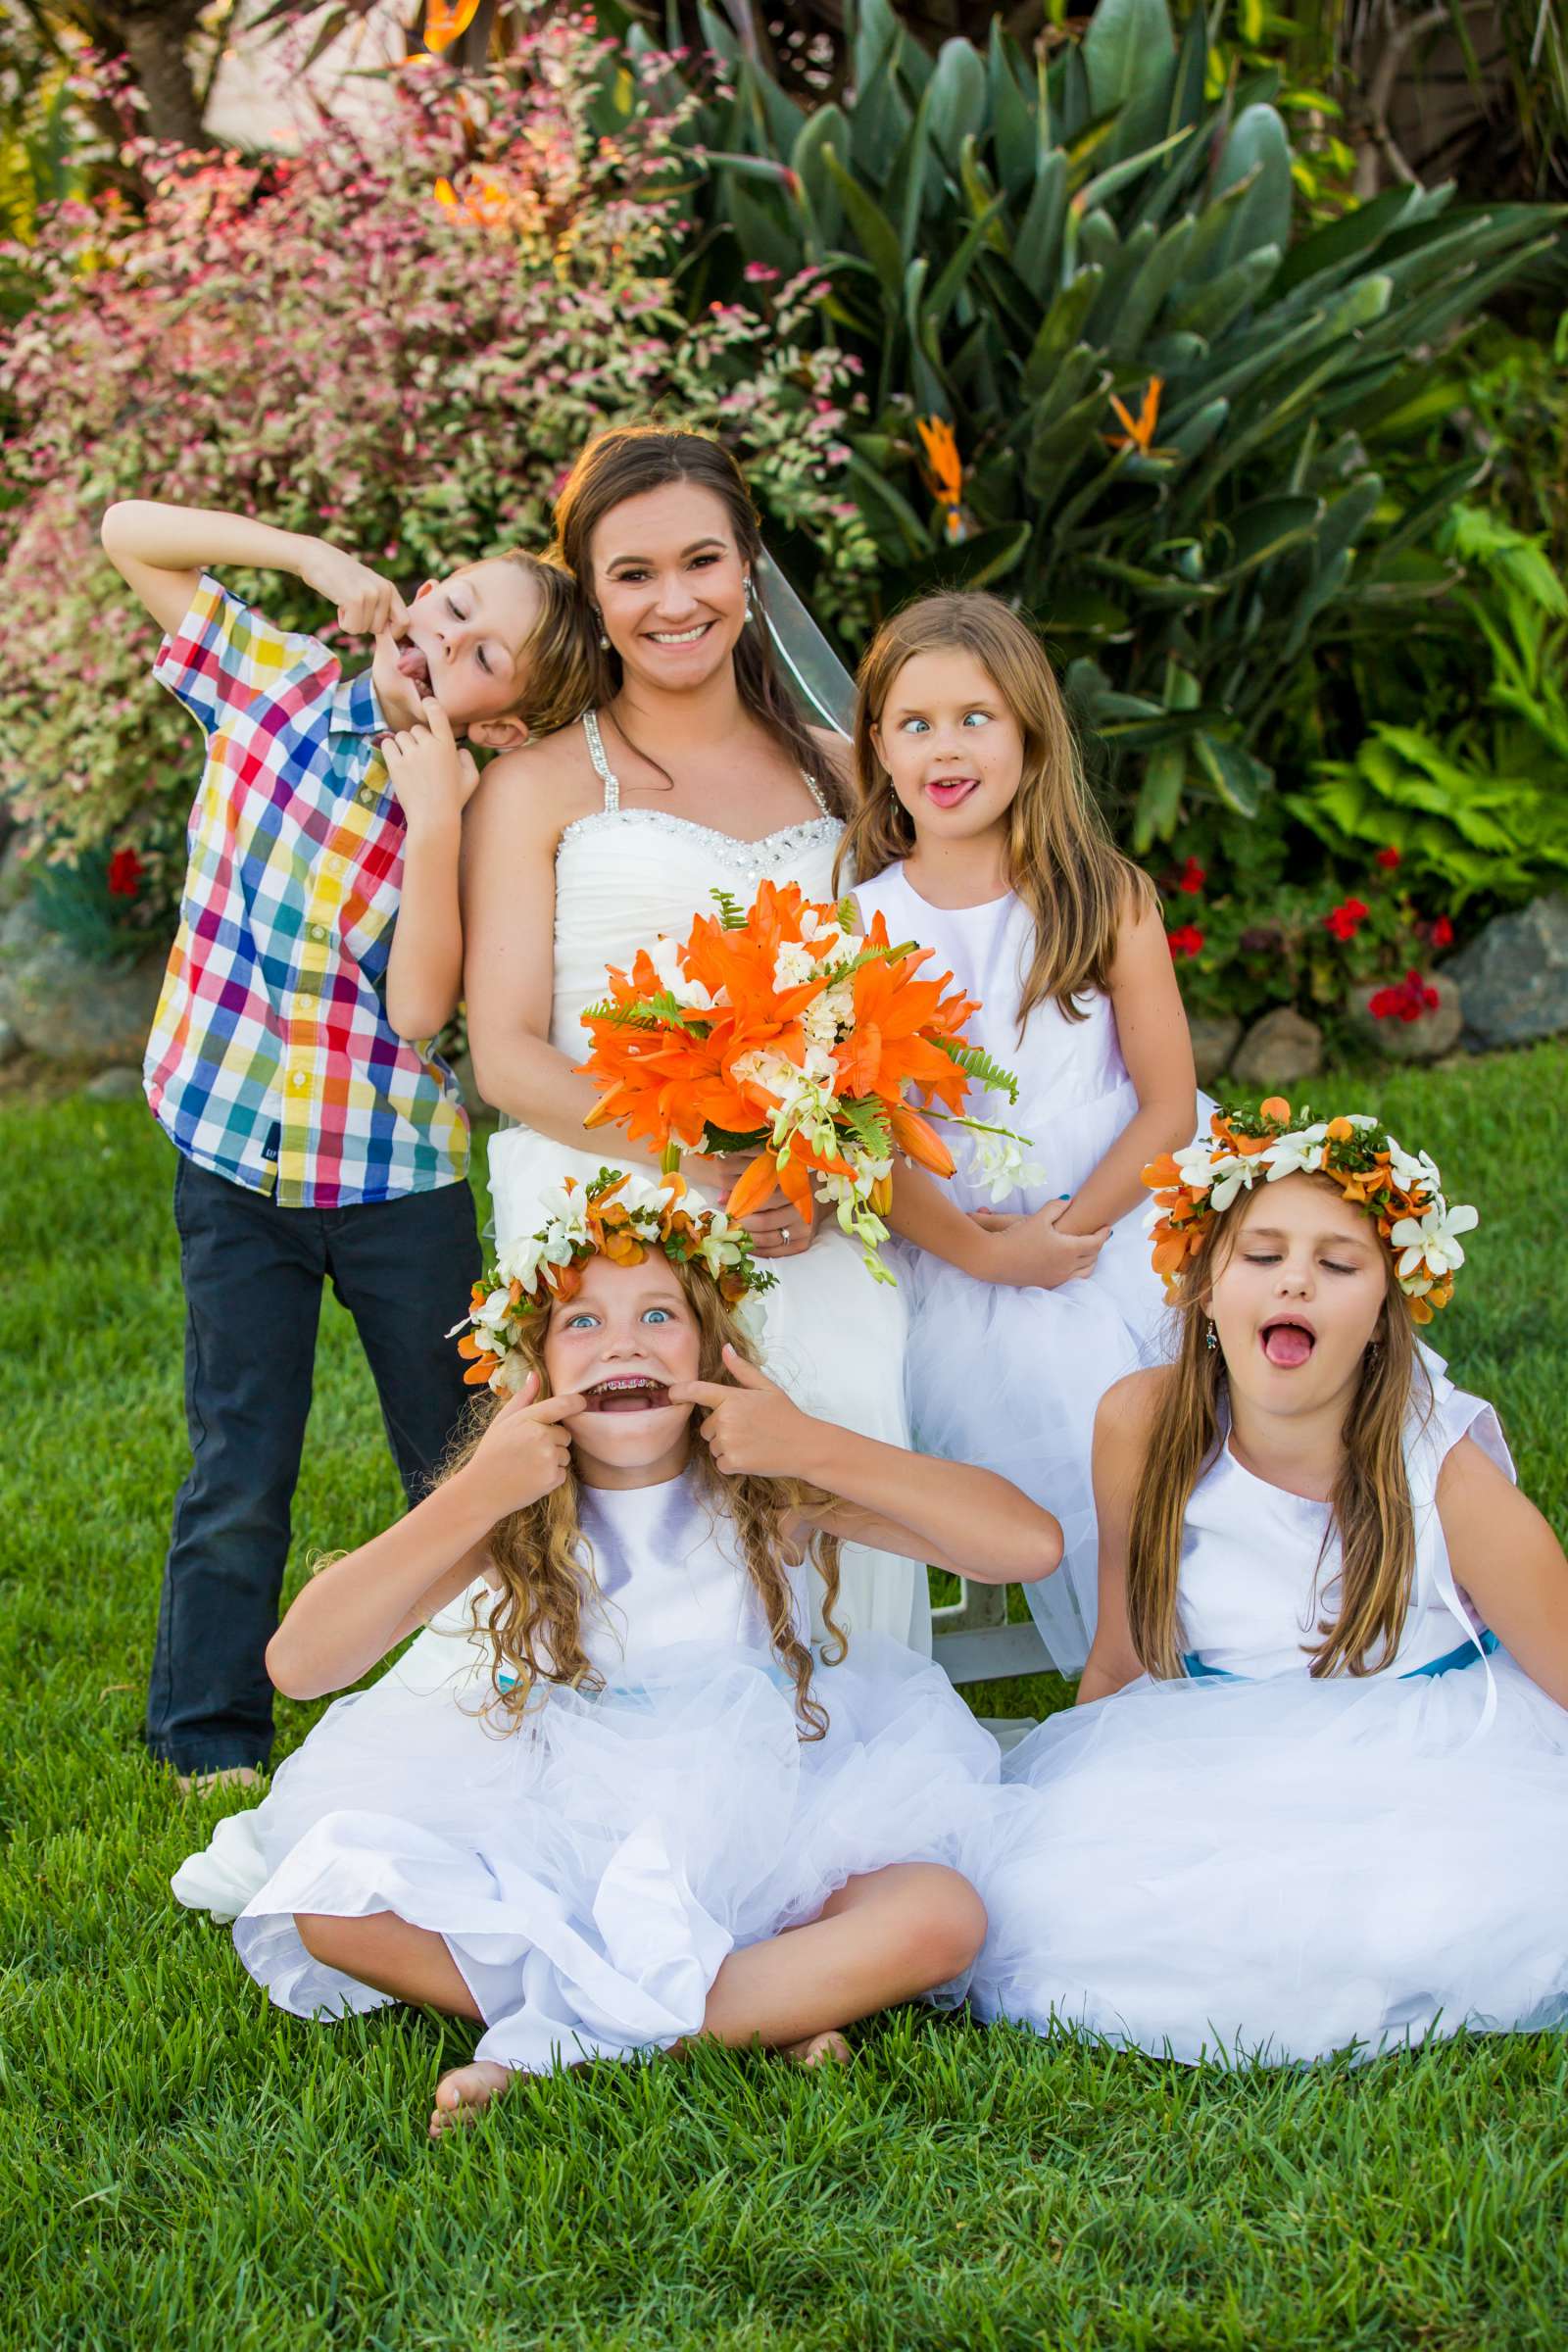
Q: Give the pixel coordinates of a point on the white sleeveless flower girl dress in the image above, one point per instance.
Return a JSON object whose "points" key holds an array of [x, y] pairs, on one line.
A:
{"points": [[1250, 1864], [591, 1869], [833, 1336], [1011, 1379]]}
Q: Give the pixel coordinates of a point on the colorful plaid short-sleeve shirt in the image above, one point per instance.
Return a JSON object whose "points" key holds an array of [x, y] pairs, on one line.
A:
{"points": [[270, 1059]]}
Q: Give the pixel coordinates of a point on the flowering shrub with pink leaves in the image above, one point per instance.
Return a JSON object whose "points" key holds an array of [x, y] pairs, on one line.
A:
{"points": [[399, 346]]}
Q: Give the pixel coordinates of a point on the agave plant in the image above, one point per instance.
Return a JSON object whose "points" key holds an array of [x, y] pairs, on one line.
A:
{"points": [[1099, 374]]}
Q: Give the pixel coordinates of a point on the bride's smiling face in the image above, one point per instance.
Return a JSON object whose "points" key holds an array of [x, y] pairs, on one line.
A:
{"points": [[670, 582]]}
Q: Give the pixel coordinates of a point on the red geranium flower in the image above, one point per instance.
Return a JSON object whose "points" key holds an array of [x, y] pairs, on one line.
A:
{"points": [[1441, 931], [1391, 856], [1406, 999], [1192, 879], [1345, 919], [126, 870], [1188, 941]]}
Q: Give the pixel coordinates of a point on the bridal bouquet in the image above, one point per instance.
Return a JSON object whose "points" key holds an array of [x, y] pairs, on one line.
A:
{"points": [[778, 1031]]}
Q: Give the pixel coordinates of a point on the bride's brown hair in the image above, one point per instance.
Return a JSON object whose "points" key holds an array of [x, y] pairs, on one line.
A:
{"points": [[535, 1620], [1370, 1508], [628, 461], [1060, 857]]}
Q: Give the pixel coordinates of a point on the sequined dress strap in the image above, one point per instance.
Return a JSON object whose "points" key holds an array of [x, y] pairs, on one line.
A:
{"points": [[601, 768]]}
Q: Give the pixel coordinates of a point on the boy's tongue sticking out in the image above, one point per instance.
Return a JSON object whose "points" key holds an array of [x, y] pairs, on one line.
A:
{"points": [[464, 640]]}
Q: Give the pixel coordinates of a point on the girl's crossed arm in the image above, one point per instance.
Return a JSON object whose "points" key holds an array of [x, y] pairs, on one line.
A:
{"points": [[357, 1608], [950, 1516]]}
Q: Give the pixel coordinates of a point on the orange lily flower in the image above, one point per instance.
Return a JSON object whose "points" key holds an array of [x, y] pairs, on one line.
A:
{"points": [[919, 1141]]}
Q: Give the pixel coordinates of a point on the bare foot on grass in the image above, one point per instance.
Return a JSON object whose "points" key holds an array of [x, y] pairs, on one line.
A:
{"points": [[819, 2049], [459, 2095], [226, 1775]]}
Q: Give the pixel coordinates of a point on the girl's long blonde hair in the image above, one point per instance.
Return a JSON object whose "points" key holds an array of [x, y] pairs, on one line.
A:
{"points": [[535, 1621], [1060, 857], [1370, 1508]]}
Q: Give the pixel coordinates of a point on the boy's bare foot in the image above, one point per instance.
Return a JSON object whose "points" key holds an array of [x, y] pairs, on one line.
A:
{"points": [[819, 2049], [459, 2095], [225, 1776]]}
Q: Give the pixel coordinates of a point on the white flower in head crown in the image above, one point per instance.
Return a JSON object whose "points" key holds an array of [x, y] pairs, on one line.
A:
{"points": [[1402, 1192], [618, 1216]]}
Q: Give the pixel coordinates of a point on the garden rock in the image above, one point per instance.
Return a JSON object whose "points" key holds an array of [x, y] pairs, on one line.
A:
{"points": [[9, 1043], [68, 1008], [1215, 1042], [1515, 975], [1432, 1034], [1281, 1047], [114, 1086]]}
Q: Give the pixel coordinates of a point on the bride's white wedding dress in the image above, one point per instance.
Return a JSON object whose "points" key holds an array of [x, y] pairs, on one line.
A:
{"points": [[834, 1337]]}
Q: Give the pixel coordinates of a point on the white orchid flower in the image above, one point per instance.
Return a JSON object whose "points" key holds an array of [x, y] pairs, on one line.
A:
{"points": [[665, 957], [1299, 1155], [821, 930], [997, 1163], [1194, 1164], [1430, 1244], [1236, 1172]]}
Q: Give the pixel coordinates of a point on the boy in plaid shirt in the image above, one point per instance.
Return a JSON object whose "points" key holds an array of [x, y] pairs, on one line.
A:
{"points": [[315, 1142]]}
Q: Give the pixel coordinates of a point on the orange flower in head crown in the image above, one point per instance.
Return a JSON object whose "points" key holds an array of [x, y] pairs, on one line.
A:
{"points": [[1402, 1193], [618, 1216]]}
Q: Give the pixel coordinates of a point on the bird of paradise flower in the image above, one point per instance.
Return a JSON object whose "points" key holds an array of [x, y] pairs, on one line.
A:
{"points": [[1139, 432]]}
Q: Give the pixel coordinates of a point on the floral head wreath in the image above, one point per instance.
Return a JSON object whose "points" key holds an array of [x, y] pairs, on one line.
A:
{"points": [[1402, 1193], [618, 1216]]}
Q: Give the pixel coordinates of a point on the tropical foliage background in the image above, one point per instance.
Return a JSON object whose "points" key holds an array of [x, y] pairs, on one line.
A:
{"points": [[1228, 342]]}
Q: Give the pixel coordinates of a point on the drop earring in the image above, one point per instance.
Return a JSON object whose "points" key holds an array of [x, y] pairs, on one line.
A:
{"points": [[750, 610], [604, 641], [1212, 1337]]}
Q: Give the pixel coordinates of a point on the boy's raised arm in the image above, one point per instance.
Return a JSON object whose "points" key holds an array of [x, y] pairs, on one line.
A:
{"points": [[161, 550]]}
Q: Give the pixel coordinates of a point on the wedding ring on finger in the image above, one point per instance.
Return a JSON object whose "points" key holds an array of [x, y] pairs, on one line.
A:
{"points": [[784, 1235]]}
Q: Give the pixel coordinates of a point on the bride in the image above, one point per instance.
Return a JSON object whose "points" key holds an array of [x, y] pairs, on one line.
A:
{"points": [[692, 773]]}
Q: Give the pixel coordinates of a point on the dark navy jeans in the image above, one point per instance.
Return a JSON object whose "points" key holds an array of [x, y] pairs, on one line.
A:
{"points": [[254, 1275]]}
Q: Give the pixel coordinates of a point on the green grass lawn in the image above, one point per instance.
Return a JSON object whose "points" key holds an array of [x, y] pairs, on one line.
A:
{"points": [[187, 2168]]}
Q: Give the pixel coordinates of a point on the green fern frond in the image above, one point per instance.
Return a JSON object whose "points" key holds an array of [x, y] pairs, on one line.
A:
{"points": [[979, 1066]]}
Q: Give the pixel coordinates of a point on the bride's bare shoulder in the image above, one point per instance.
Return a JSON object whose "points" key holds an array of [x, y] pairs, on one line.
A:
{"points": [[537, 790]]}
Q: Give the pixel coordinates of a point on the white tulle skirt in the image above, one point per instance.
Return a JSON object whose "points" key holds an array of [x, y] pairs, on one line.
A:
{"points": [[834, 1337], [591, 1871], [1275, 1870]]}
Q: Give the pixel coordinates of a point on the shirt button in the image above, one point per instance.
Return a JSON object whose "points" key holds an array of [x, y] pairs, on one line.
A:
{"points": [[299, 1078], [318, 931]]}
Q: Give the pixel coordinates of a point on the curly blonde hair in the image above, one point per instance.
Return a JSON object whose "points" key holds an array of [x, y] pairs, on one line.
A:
{"points": [[535, 1620]]}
